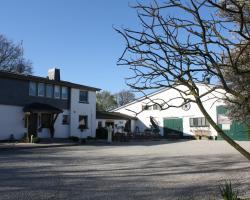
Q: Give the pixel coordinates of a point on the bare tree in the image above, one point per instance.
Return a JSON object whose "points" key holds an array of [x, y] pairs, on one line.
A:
{"points": [[124, 97], [11, 57], [239, 108], [183, 43]]}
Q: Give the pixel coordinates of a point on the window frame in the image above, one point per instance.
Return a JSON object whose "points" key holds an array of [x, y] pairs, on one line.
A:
{"points": [[67, 93], [67, 121], [198, 122], [156, 107], [39, 89], [85, 118], [35, 84], [46, 91], [87, 99], [59, 90]]}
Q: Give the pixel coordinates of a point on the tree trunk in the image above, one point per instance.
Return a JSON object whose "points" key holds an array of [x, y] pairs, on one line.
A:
{"points": [[245, 153]]}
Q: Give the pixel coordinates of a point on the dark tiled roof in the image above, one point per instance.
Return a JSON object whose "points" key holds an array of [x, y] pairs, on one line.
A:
{"points": [[11, 75], [112, 115]]}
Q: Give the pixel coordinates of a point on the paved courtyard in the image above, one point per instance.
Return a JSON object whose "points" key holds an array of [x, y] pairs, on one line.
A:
{"points": [[147, 170]]}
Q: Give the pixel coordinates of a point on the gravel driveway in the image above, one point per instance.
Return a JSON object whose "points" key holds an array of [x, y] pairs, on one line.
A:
{"points": [[147, 170]]}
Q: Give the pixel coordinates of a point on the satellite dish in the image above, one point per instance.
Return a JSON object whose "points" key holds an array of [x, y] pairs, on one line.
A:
{"points": [[186, 106]]}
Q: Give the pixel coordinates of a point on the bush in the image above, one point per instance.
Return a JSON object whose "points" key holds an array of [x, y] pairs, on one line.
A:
{"points": [[227, 192], [36, 139], [90, 138], [102, 133], [74, 138]]}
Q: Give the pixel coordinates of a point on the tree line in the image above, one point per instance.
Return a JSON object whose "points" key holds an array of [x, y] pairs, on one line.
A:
{"points": [[106, 101]]}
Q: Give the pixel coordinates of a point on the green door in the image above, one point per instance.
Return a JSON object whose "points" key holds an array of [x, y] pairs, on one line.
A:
{"points": [[173, 127], [236, 131]]}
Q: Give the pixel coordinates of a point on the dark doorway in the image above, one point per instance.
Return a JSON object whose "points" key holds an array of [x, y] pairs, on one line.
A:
{"points": [[107, 124], [32, 129]]}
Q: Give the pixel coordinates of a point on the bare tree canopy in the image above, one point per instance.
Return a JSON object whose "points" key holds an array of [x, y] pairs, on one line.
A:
{"points": [[239, 108], [186, 43], [124, 97], [105, 101], [11, 57]]}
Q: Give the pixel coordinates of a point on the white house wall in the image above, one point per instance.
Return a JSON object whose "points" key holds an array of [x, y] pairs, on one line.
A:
{"points": [[61, 130], [144, 116], [77, 109], [11, 122]]}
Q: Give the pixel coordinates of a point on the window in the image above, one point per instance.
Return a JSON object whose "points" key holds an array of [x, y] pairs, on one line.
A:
{"points": [[146, 107], [57, 92], [156, 107], [46, 120], [83, 97], [99, 124], [83, 121], [199, 122], [41, 89], [64, 93], [49, 91], [65, 119], [32, 89]]}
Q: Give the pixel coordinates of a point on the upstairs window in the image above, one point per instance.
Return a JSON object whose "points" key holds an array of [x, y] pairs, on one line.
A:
{"points": [[57, 93], [49, 91], [32, 89], [64, 93], [83, 97], [41, 89], [199, 122], [156, 107], [146, 107]]}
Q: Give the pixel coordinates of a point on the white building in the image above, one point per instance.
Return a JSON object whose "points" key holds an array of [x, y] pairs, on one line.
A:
{"points": [[185, 121], [45, 107]]}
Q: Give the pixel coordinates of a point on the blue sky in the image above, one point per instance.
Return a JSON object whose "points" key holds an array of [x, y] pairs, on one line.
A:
{"points": [[74, 35]]}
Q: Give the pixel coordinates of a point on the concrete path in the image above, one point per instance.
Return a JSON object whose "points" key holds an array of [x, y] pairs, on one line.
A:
{"points": [[148, 170]]}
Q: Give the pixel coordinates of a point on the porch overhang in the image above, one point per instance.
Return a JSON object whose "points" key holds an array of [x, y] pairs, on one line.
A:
{"points": [[41, 108]]}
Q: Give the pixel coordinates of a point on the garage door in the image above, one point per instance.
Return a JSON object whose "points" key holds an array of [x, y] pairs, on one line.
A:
{"points": [[236, 131], [173, 127]]}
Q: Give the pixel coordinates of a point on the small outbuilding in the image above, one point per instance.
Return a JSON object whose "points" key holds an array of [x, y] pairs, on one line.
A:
{"points": [[120, 122]]}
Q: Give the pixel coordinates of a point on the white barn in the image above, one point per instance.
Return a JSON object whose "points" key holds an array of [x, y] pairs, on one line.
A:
{"points": [[186, 121]]}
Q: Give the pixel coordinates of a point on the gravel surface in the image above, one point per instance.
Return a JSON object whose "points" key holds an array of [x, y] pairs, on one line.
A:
{"points": [[147, 170]]}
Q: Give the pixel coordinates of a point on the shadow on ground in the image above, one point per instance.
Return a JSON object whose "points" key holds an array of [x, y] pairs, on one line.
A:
{"points": [[113, 172]]}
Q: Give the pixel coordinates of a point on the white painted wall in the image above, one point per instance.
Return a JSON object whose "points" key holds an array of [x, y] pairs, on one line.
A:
{"points": [[12, 119], [11, 122], [117, 123], [144, 116], [77, 109], [61, 130]]}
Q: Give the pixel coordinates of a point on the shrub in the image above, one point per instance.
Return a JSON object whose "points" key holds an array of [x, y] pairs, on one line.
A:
{"points": [[36, 139], [74, 138], [227, 191], [90, 138], [101, 133]]}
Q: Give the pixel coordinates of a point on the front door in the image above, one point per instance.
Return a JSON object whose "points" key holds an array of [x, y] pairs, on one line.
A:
{"points": [[32, 129], [173, 127]]}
